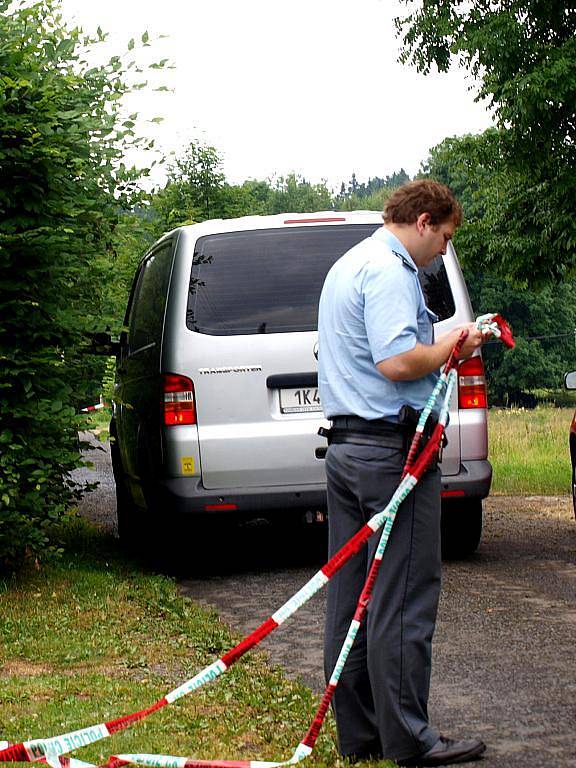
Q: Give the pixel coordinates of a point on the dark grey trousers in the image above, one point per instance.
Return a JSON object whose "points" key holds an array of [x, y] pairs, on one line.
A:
{"points": [[381, 701]]}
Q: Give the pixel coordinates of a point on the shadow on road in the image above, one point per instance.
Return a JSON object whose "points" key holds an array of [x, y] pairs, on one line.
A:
{"points": [[229, 548]]}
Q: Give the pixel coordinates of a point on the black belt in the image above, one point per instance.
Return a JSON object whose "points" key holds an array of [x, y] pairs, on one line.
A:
{"points": [[370, 426], [378, 432], [358, 431]]}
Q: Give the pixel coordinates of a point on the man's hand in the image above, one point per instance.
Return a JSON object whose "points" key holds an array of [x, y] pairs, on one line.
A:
{"points": [[424, 358], [474, 340]]}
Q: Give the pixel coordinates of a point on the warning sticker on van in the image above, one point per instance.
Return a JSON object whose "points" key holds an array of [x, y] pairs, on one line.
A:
{"points": [[188, 467], [301, 400]]}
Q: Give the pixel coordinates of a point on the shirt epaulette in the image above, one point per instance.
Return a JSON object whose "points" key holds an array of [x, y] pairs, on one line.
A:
{"points": [[404, 260]]}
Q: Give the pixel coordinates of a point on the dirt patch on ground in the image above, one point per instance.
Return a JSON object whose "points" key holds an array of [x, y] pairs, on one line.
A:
{"points": [[557, 507], [24, 668]]}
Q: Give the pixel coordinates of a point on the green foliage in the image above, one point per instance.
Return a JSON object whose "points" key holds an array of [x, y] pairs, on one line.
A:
{"points": [[374, 184], [193, 189], [197, 190], [369, 196], [544, 323], [61, 187], [247, 199], [135, 231], [355, 202], [294, 194], [523, 54], [547, 313]]}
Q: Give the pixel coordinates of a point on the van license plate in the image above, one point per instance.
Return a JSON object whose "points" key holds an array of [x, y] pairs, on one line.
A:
{"points": [[302, 400]]}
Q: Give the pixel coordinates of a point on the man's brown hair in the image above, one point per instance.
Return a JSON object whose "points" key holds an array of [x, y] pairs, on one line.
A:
{"points": [[407, 202]]}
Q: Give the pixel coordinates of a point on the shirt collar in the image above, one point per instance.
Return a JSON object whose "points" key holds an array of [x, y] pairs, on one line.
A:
{"points": [[396, 246]]}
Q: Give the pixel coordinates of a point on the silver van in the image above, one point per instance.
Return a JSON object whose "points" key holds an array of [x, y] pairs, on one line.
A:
{"points": [[216, 410]]}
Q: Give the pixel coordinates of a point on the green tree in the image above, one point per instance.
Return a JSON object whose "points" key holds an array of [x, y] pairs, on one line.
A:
{"points": [[542, 318], [135, 231], [362, 202], [543, 322], [459, 162], [62, 186], [293, 194], [369, 196], [251, 198], [193, 190], [523, 56]]}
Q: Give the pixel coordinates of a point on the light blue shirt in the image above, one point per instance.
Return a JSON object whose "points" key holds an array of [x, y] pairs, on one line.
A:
{"points": [[371, 308]]}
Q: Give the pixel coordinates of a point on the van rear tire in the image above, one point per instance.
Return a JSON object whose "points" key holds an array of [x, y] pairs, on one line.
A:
{"points": [[461, 527], [126, 516], [127, 513]]}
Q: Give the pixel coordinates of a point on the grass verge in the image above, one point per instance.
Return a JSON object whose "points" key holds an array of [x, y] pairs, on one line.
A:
{"points": [[529, 450], [91, 638]]}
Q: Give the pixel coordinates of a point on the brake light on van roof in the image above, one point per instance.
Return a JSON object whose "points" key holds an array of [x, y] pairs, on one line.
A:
{"points": [[472, 384], [179, 405]]}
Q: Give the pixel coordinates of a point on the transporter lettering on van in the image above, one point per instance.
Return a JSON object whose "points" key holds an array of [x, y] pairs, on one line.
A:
{"points": [[232, 369]]}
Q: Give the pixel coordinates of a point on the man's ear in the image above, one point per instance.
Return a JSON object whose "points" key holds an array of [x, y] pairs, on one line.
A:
{"points": [[421, 222]]}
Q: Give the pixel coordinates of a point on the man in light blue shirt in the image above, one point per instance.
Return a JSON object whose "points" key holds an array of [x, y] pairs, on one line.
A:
{"points": [[372, 308], [377, 354]]}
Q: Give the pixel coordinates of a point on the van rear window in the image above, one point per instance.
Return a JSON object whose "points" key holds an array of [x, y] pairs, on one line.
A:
{"points": [[269, 280]]}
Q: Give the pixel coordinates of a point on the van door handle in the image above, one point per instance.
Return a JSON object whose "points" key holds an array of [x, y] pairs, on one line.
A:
{"points": [[279, 380]]}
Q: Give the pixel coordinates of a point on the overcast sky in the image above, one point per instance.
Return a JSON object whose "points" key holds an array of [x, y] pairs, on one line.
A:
{"points": [[305, 86]]}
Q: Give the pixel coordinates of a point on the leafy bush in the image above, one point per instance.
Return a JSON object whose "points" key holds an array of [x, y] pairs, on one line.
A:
{"points": [[62, 185], [543, 322]]}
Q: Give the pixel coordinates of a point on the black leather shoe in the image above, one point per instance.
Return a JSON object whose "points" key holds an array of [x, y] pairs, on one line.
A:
{"points": [[446, 752]]}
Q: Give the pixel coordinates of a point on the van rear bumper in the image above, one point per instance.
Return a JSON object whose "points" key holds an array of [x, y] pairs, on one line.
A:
{"points": [[186, 495], [473, 480]]}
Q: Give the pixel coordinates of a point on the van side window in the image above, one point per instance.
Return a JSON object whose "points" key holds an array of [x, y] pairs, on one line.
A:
{"points": [[436, 288], [146, 318]]}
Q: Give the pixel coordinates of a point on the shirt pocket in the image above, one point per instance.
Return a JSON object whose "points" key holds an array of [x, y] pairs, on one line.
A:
{"points": [[426, 320]]}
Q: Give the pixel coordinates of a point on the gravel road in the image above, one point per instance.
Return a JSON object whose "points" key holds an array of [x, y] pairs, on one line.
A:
{"points": [[505, 644]]}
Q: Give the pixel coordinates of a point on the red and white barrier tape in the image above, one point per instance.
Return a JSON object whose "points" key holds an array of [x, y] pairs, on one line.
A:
{"points": [[51, 750]]}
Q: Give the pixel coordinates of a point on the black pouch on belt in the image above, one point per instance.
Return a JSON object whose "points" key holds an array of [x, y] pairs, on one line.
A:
{"points": [[410, 417]]}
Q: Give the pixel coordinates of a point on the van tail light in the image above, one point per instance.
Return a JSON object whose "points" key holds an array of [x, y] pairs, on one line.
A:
{"points": [[179, 406], [472, 384]]}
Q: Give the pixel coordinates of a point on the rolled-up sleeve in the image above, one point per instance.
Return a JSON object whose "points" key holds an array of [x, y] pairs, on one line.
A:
{"points": [[390, 297]]}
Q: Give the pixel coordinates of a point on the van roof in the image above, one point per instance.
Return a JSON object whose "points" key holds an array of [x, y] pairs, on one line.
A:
{"points": [[279, 220]]}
